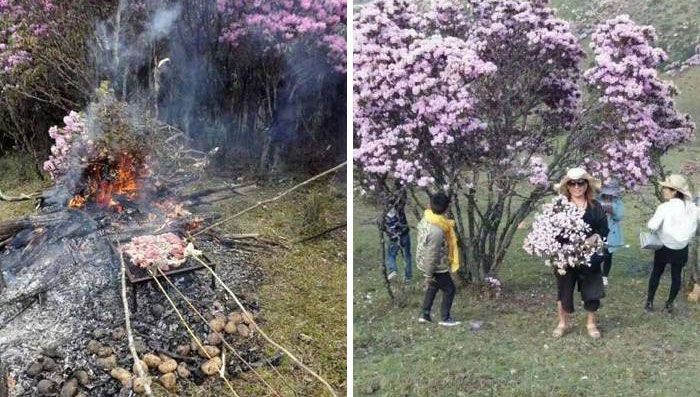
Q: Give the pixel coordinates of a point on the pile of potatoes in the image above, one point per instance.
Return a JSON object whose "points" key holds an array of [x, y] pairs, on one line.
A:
{"points": [[166, 368]]}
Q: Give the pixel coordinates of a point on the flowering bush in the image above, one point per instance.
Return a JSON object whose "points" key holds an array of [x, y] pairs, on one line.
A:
{"points": [[277, 23], [21, 23], [639, 121], [559, 234]]}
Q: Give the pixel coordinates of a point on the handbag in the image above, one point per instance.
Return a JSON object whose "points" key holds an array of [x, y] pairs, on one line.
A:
{"points": [[649, 240]]}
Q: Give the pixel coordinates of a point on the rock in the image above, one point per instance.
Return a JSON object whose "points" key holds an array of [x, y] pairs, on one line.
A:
{"points": [[140, 364], [167, 366], [214, 339], [139, 385], [305, 338], [475, 325], [169, 381], [183, 350], [45, 387], [151, 360], [99, 333], [217, 324], [94, 346], [70, 388], [118, 333], [140, 346], [82, 377], [49, 364], [243, 330], [35, 369], [236, 317], [157, 310], [212, 366], [107, 363], [121, 375], [230, 327], [209, 351], [182, 371], [105, 351]]}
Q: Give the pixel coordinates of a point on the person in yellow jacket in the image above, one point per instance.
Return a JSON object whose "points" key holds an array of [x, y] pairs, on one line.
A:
{"points": [[437, 254]]}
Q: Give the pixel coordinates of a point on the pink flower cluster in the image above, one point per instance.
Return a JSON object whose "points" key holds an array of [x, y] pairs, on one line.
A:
{"points": [[638, 119], [320, 22], [412, 92], [538, 172], [558, 234], [71, 144], [525, 39], [21, 24]]}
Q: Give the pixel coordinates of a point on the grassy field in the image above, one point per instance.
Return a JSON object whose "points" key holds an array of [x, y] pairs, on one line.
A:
{"points": [[513, 354], [303, 293]]}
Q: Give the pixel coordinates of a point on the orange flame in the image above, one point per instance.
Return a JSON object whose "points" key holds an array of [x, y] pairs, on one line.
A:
{"points": [[106, 179]]}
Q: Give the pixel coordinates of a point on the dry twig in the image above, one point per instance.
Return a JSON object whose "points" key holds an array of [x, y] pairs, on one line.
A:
{"points": [[293, 188]]}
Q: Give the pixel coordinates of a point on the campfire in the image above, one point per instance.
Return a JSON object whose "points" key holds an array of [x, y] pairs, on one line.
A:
{"points": [[108, 182], [125, 213]]}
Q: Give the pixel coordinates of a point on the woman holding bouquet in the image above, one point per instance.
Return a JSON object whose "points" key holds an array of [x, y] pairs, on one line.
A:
{"points": [[675, 222], [579, 187]]}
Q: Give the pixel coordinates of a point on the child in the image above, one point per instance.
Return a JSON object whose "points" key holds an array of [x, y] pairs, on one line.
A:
{"points": [[612, 205], [436, 254], [396, 228]]}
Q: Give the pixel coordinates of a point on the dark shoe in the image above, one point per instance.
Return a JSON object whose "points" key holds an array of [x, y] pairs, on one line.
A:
{"points": [[669, 307], [449, 322], [424, 319], [649, 306]]}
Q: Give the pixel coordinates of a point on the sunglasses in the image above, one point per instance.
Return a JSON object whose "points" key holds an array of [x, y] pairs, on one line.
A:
{"points": [[577, 182]]}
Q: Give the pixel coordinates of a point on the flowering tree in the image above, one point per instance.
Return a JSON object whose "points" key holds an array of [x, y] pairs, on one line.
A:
{"points": [[477, 100]]}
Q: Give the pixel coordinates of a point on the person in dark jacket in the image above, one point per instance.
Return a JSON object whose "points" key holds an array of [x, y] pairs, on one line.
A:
{"points": [[397, 230], [580, 188]]}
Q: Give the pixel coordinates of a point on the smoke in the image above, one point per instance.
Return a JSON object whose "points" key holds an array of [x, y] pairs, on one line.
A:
{"points": [[162, 23]]}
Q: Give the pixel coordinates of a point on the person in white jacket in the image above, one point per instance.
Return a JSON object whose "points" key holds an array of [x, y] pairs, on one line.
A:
{"points": [[675, 222]]}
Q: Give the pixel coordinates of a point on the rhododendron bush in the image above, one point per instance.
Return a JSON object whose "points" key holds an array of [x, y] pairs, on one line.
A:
{"points": [[281, 23], [559, 234], [485, 101]]}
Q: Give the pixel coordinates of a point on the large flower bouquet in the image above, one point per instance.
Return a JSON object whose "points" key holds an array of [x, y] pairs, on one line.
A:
{"points": [[559, 235]]}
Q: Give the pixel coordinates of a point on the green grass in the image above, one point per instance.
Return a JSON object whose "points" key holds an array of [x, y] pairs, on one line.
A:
{"points": [[17, 176], [513, 354]]}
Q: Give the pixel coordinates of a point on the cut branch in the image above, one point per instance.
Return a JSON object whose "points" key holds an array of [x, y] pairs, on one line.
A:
{"points": [[261, 203]]}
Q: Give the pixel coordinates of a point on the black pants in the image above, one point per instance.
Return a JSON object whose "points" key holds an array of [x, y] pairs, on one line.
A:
{"points": [[662, 257], [443, 281], [590, 283], [607, 262]]}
